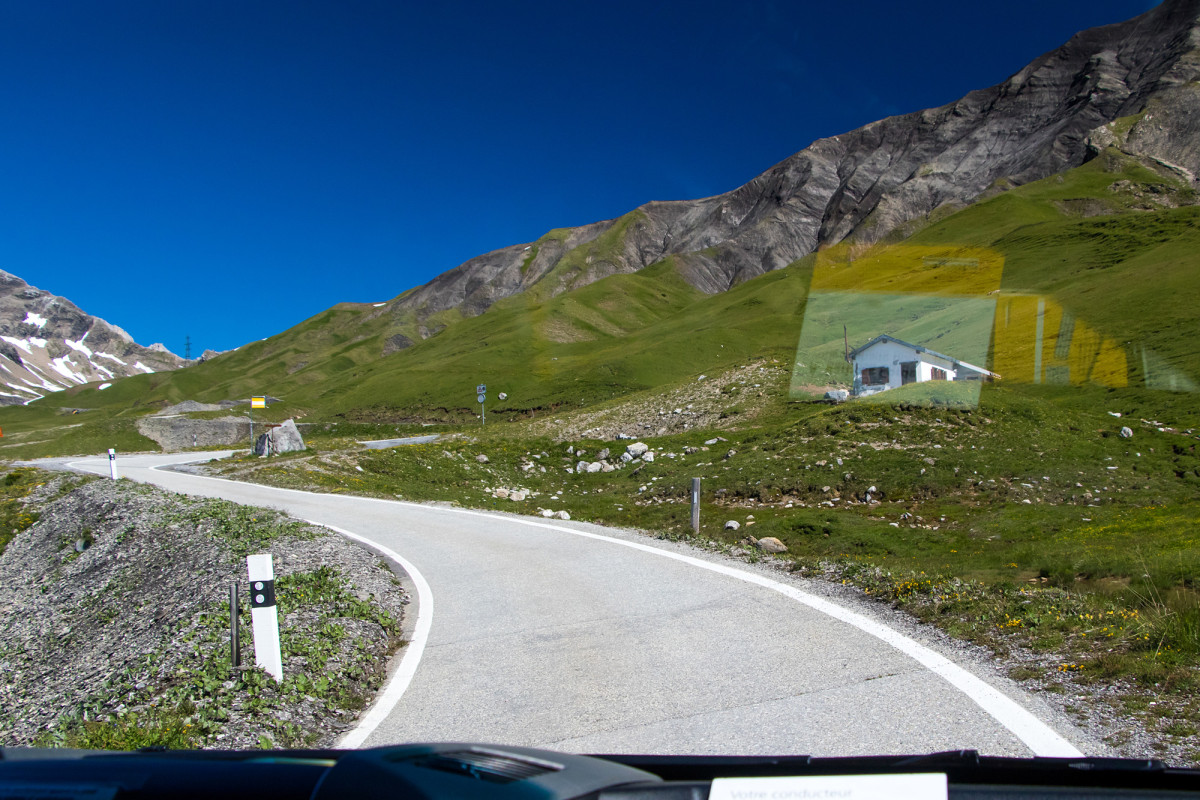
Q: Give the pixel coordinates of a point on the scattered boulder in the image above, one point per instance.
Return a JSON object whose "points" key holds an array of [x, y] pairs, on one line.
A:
{"points": [[637, 449], [481, 458], [732, 525], [837, 396], [595, 466], [284, 438], [563, 515], [769, 544], [1126, 432], [649, 456]]}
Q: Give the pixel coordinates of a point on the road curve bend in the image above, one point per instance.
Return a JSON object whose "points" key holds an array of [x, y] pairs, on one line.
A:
{"points": [[568, 636]]}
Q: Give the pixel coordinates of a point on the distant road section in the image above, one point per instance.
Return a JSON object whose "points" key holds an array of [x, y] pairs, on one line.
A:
{"points": [[384, 444], [576, 637]]}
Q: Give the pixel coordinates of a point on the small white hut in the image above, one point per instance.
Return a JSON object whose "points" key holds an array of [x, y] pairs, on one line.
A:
{"points": [[886, 362]]}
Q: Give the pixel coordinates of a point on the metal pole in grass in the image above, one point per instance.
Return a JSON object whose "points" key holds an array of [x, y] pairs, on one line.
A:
{"points": [[112, 463], [264, 616], [695, 505], [235, 655]]}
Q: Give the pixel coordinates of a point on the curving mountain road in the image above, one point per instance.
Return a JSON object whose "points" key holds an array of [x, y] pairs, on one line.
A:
{"points": [[574, 637]]}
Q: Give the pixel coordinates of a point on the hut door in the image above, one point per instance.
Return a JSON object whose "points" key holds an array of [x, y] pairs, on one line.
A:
{"points": [[908, 373]]}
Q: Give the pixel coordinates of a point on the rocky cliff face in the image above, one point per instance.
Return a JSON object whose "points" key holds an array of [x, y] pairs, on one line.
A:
{"points": [[48, 344], [1054, 114]]}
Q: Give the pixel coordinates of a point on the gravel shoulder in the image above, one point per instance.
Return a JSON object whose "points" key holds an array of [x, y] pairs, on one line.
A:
{"points": [[114, 624]]}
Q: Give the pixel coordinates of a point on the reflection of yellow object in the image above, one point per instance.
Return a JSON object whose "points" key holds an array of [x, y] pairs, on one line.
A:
{"points": [[908, 269], [862, 291], [1036, 340], [258, 402]]}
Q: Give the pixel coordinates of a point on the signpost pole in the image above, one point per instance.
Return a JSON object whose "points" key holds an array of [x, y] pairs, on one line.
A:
{"points": [[695, 505], [112, 463], [481, 397], [255, 402], [235, 655]]}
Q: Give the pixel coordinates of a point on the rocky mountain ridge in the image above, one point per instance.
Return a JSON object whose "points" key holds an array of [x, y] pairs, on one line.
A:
{"points": [[48, 344], [1133, 85]]}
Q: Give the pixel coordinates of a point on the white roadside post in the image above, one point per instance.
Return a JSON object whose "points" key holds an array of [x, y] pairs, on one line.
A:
{"points": [[112, 463], [264, 616]]}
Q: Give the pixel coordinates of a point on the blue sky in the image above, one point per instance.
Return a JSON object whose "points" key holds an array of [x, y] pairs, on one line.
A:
{"points": [[224, 169]]}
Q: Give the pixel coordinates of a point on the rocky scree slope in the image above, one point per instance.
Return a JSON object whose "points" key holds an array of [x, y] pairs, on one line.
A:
{"points": [[1135, 85], [114, 607], [47, 344]]}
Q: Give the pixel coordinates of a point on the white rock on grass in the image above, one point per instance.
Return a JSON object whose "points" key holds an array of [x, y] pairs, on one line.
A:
{"points": [[563, 515], [637, 449], [732, 525], [481, 458], [769, 544], [649, 456]]}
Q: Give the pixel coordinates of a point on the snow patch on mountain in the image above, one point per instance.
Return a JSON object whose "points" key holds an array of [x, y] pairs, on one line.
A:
{"points": [[80, 346]]}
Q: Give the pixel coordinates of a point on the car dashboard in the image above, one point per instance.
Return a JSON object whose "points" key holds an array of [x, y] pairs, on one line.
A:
{"points": [[490, 772]]}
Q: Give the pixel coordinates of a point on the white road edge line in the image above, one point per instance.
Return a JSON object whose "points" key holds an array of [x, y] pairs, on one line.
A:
{"points": [[1035, 734], [391, 693]]}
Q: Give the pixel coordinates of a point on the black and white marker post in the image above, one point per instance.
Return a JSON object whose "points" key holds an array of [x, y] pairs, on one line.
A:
{"points": [[112, 463], [264, 617]]}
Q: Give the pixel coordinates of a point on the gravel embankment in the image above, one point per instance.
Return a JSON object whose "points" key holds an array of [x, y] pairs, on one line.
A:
{"points": [[114, 617]]}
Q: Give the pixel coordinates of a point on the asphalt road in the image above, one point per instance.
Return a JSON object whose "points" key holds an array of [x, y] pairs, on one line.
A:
{"points": [[573, 637]]}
